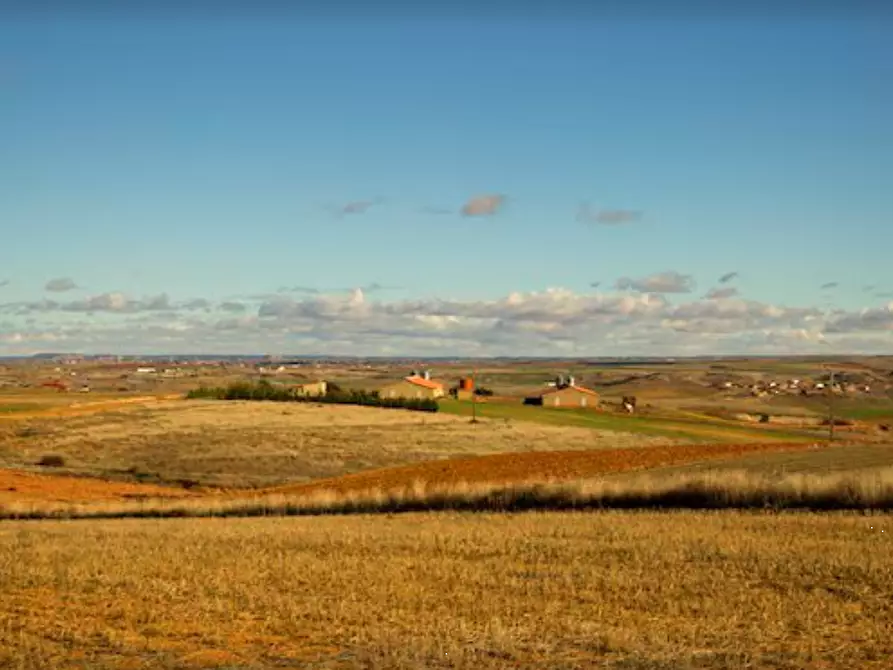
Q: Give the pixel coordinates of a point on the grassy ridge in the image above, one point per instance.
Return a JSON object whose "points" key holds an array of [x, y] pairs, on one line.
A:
{"points": [[722, 490]]}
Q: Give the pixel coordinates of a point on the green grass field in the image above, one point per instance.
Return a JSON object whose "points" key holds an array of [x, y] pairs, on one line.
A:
{"points": [[9, 408], [688, 429]]}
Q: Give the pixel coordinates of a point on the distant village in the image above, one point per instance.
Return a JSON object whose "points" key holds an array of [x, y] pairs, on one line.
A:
{"points": [[561, 391]]}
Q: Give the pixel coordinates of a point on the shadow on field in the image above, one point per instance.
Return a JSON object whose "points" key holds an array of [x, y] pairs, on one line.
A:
{"points": [[867, 491]]}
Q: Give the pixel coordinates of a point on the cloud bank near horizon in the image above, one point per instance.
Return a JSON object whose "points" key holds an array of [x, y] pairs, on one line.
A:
{"points": [[554, 322]]}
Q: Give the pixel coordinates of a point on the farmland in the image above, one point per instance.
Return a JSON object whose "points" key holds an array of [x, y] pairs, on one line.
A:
{"points": [[442, 588], [616, 590]]}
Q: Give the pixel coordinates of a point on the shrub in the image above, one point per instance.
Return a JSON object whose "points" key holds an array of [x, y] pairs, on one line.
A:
{"points": [[51, 461]]}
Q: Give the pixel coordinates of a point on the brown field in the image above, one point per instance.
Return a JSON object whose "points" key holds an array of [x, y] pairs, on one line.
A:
{"points": [[504, 468], [18, 486], [530, 466], [244, 444], [634, 591], [825, 460]]}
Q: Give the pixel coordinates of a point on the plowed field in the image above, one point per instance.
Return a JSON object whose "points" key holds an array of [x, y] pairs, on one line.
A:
{"points": [[17, 486], [521, 467]]}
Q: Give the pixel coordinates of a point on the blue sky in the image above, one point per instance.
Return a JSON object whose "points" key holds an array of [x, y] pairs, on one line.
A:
{"points": [[220, 159]]}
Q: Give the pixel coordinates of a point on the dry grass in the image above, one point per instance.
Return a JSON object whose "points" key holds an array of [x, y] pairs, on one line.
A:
{"points": [[866, 491], [824, 460], [263, 444], [614, 590]]}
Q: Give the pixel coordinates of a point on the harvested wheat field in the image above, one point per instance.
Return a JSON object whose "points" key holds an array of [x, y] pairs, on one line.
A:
{"points": [[256, 444], [634, 591], [532, 466]]}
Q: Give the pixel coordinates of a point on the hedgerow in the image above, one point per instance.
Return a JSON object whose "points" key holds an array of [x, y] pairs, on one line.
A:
{"points": [[264, 390]]}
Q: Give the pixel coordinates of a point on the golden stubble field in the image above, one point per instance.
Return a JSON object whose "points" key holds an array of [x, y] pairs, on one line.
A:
{"points": [[556, 590], [249, 444]]}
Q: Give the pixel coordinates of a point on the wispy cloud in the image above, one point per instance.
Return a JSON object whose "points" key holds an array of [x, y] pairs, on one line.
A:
{"points": [[352, 208], [727, 277], [721, 293], [4, 282], [662, 282], [375, 287], [233, 307], [196, 304], [60, 285], [358, 206], [610, 217], [372, 287], [483, 205], [436, 211], [829, 285], [309, 290], [104, 302]]}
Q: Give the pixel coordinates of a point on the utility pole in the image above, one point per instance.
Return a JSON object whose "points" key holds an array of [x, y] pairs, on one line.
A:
{"points": [[474, 395], [831, 408]]}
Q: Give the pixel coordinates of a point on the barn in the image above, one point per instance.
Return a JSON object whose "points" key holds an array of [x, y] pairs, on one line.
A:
{"points": [[414, 386], [565, 395]]}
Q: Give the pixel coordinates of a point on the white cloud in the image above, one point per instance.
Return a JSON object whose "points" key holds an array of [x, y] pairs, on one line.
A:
{"points": [[555, 321]]}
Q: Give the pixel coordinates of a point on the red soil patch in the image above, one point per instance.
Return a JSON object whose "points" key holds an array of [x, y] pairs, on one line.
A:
{"points": [[528, 466], [17, 486]]}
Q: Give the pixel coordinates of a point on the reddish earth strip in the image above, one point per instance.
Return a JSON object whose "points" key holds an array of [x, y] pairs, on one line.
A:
{"points": [[18, 486], [550, 465]]}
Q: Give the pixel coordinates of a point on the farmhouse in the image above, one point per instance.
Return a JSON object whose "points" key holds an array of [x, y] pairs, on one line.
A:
{"points": [[565, 394], [570, 396], [413, 386]]}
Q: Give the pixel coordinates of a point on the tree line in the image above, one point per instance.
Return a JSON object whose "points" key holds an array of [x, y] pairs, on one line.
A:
{"points": [[264, 390]]}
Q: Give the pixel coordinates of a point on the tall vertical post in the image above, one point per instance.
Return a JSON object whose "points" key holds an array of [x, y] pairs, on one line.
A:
{"points": [[474, 397], [831, 408]]}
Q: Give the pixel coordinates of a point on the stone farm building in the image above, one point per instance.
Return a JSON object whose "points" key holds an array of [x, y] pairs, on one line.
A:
{"points": [[570, 395], [414, 386]]}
